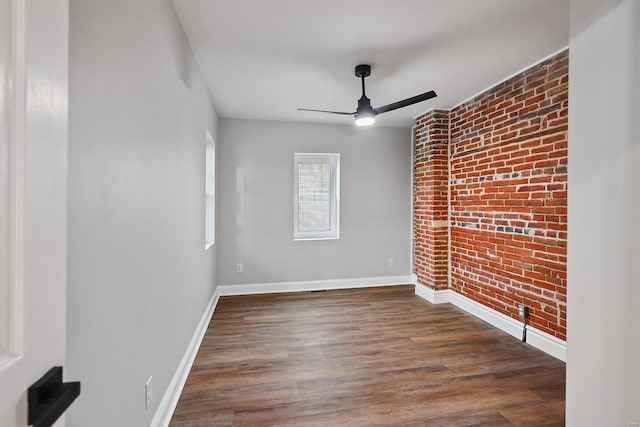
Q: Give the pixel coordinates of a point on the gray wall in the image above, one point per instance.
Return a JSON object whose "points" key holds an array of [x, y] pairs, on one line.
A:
{"points": [[255, 188], [603, 373], [139, 278]]}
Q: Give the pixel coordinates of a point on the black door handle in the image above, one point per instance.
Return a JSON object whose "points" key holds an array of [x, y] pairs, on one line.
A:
{"points": [[49, 397]]}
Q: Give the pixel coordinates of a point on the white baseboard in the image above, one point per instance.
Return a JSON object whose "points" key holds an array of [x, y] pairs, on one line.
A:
{"points": [[432, 295], [535, 337], [170, 399], [314, 285], [489, 315], [547, 343]]}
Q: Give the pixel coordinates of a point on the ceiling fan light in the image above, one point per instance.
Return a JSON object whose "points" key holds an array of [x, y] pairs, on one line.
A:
{"points": [[365, 121]]}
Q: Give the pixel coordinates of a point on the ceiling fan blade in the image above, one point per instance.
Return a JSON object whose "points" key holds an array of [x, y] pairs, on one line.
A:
{"points": [[326, 111], [405, 102]]}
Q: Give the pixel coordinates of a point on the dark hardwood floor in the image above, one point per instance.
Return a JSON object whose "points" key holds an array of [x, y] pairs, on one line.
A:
{"points": [[364, 357]]}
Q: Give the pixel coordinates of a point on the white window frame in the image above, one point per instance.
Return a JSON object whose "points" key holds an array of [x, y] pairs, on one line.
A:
{"points": [[334, 218], [209, 191]]}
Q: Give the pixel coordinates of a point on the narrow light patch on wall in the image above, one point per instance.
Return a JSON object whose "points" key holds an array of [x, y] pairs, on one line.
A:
{"points": [[210, 192]]}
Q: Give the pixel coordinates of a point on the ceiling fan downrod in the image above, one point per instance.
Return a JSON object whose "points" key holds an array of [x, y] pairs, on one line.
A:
{"points": [[365, 115]]}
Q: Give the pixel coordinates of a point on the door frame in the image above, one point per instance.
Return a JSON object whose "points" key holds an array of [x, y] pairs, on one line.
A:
{"points": [[36, 97]]}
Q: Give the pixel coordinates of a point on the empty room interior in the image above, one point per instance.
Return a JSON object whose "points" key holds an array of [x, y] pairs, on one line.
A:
{"points": [[296, 213]]}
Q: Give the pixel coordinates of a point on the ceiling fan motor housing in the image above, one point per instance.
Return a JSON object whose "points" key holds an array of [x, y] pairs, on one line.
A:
{"points": [[363, 70], [364, 107]]}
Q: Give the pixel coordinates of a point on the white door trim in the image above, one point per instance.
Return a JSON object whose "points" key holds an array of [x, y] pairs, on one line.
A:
{"points": [[16, 185]]}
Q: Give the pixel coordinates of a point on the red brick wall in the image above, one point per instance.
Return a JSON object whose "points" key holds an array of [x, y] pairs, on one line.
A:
{"points": [[508, 195], [430, 205]]}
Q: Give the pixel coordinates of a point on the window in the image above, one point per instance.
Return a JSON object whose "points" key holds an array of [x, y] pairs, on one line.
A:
{"points": [[316, 205], [209, 191]]}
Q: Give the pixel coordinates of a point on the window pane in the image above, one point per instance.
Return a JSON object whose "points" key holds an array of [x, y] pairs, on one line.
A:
{"points": [[314, 197], [316, 203]]}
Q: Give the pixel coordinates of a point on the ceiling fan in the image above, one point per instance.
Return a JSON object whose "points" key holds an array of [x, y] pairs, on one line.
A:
{"points": [[365, 114]]}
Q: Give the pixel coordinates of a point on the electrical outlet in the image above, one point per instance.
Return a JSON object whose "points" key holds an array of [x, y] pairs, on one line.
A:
{"points": [[148, 393], [238, 268], [523, 312], [392, 262]]}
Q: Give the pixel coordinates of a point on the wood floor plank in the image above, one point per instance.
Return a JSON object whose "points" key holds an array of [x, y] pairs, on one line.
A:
{"points": [[364, 357]]}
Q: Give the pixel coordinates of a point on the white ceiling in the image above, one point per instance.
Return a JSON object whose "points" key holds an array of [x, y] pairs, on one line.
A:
{"points": [[262, 59]]}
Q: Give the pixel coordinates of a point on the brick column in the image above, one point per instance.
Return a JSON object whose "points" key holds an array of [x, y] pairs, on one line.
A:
{"points": [[430, 194]]}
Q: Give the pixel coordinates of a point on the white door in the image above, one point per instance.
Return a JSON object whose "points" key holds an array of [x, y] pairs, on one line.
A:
{"points": [[33, 170]]}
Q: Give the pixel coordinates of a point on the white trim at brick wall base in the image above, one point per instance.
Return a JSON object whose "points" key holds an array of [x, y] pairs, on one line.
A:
{"points": [[167, 406], [315, 285], [431, 295], [539, 339]]}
